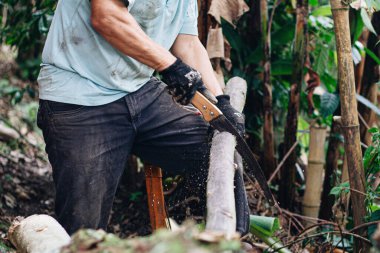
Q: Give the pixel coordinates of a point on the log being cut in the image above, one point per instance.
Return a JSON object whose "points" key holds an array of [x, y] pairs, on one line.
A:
{"points": [[221, 214]]}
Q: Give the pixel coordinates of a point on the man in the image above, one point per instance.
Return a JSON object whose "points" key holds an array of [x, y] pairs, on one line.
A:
{"points": [[99, 102]]}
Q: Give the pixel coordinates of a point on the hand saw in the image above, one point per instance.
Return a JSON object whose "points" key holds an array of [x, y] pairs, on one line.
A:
{"points": [[205, 103]]}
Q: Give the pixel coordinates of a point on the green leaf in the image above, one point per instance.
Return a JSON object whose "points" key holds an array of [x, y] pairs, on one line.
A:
{"points": [[324, 10], [358, 28], [367, 20], [336, 191], [329, 103], [368, 103], [256, 56], [313, 2], [376, 4], [281, 68], [368, 157], [232, 36], [372, 55], [263, 228], [373, 130], [263, 224], [321, 58], [375, 216]]}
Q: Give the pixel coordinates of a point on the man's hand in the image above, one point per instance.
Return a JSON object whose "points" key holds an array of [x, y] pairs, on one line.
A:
{"points": [[183, 81], [235, 117]]}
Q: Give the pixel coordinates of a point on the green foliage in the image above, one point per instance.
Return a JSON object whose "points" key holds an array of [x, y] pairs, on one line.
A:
{"points": [[371, 162], [15, 94], [26, 24], [4, 248], [371, 157], [372, 55], [135, 196], [342, 188], [329, 103], [264, 228], [367, 20]]}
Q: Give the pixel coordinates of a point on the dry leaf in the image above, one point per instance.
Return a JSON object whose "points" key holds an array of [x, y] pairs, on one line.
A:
{"points": [[230, 10], [215, 43]]}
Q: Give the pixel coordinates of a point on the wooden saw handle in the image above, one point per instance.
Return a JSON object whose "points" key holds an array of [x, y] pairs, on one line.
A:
{"points": [[208, 109]]}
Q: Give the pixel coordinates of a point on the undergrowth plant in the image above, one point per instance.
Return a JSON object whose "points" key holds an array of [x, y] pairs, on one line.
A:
{"points": [[371, 162]]}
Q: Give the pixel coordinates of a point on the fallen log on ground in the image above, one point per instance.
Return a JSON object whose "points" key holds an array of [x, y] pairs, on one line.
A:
{"points": [[221, 214], [37, 234]]}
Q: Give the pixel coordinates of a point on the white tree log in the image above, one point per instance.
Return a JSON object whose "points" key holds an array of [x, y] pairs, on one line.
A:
{"points": [[221, 214], [37, 234]]}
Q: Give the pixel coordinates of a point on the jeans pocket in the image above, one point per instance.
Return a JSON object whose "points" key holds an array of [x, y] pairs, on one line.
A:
{"points": [[63, 109]]}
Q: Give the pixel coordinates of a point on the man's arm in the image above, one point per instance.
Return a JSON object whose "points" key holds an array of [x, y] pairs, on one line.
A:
{"points": [[112, 20], [191, 51]]}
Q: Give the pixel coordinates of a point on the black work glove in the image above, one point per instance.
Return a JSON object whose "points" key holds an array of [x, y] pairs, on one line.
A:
{"points": [[183, 81], [235, 117]]}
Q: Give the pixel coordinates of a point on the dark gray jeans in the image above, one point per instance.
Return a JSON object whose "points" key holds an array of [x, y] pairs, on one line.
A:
{"points": [[88, 147]]}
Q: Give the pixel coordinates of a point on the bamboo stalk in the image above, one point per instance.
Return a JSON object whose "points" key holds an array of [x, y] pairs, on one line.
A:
{"points": [[350, 122], [288, 175], [269, 158], [315, 172]]}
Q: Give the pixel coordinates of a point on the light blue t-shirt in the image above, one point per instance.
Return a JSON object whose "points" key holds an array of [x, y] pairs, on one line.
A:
{"points": [[80, 67]]}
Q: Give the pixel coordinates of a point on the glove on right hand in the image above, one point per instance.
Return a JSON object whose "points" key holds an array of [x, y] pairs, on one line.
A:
{"points": [[183, 81]]}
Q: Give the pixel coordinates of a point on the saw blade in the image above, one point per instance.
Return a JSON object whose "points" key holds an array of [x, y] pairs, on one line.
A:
{"points": [[222, 124]]}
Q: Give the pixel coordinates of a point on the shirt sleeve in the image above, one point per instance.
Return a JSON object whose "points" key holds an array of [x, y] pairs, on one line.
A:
{"points": [[190, 25]]}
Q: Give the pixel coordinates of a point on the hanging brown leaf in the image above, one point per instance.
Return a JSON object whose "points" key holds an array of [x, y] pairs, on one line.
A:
{"points": [[215, 43], [312, 79], [230, 10]]}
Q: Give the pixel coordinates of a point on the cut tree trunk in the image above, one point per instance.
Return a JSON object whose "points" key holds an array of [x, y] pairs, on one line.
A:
{"points": [[329, 182], [350, 122], [221, 214], [288, 173], [269, 158], [314, 174], [37, 234]]}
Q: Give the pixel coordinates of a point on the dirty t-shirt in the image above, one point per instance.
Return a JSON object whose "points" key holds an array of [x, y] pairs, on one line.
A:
{"points": [[80, 67]]}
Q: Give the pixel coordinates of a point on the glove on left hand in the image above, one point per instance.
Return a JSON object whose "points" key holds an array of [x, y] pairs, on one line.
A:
{"points": [[235, 117], [183, 81]]}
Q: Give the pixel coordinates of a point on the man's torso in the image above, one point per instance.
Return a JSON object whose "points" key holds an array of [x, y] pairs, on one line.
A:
{"points": [[81, 67]]}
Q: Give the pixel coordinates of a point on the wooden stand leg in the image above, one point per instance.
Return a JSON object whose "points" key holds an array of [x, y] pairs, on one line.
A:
{"points": [[156, 201]]}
